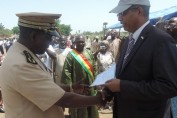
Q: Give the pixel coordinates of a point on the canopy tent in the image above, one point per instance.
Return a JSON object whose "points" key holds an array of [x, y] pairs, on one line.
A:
{"points": [[115, 26], [165, 14]]}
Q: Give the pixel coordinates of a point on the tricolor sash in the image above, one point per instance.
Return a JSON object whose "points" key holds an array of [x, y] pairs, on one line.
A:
{"points": [[84, 62]]}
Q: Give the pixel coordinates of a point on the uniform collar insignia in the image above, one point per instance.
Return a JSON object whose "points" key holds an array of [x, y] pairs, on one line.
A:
{"points": [[29, 58]]}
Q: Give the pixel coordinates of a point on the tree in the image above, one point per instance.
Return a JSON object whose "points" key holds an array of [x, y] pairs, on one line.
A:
{"points": [[5, 33], [64, 29], [16, 30], [1, 26]]}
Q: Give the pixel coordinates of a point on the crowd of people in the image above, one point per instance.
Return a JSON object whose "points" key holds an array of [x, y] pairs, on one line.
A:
{"points": [[62, 62], [4, 46], [45, 72], [68, 68]]}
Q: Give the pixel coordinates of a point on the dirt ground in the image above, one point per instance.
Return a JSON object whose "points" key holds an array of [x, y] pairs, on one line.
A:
{"points": [[2, 115], [103, 114]]}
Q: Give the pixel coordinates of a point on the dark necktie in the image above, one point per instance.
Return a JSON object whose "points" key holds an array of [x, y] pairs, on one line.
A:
{"points": [[129, 48]]}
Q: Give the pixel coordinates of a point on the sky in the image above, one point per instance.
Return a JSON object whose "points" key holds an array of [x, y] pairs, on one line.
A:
{"points": [[83, 15]]}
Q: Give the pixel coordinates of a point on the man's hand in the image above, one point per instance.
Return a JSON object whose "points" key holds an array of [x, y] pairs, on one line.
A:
{"points": [[107, 94], [113, 85], [101, 95], [78, 87]]}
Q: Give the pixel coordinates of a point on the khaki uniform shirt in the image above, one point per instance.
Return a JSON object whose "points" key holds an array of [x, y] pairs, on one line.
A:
{"points": [[94, 46], [61, 56], [27, 88], [114, 48]]}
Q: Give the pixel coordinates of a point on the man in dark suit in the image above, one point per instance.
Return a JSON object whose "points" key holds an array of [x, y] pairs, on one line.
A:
{"points": [[146, 73]]}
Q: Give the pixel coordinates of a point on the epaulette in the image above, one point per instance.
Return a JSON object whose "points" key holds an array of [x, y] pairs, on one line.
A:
{"points": [[29, 58]]}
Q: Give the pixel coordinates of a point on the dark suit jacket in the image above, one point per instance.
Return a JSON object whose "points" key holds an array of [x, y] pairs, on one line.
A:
{"points": [[149, 78]]}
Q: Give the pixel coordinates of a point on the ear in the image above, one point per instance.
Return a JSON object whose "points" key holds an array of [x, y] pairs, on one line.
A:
{"points": [[32, 36], [141, 11]]}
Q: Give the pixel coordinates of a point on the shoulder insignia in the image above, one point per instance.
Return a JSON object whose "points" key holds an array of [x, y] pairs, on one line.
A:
{"points": [[29, 58]]}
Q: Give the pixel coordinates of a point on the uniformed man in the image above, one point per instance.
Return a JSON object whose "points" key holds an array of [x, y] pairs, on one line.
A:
{"points": [[27, 87]]}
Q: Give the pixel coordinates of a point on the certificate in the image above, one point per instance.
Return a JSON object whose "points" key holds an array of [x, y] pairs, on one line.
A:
{"points": [[104, 76]]}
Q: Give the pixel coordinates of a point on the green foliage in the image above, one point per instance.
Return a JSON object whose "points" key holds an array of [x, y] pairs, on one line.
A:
{"points": [[124, 34], [15, 30], [5, 33], [64, 29], [1, 26], [57, 23], [87, 33], [93, 34]]}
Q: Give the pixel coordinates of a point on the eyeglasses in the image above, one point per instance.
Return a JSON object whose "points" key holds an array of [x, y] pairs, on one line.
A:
{"points": [[126, 11]]}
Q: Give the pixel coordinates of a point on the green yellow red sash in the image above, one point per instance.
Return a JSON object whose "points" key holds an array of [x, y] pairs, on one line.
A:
{"points": [[84, 62]]}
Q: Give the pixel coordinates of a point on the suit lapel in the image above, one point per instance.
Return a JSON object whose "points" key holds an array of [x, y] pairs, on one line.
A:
{"points": [[122, 54], [142, 37]]}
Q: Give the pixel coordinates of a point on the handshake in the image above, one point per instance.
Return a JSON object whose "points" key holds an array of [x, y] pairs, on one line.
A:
{"points": [[110, 86], [105, 95], [81, 95]]}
